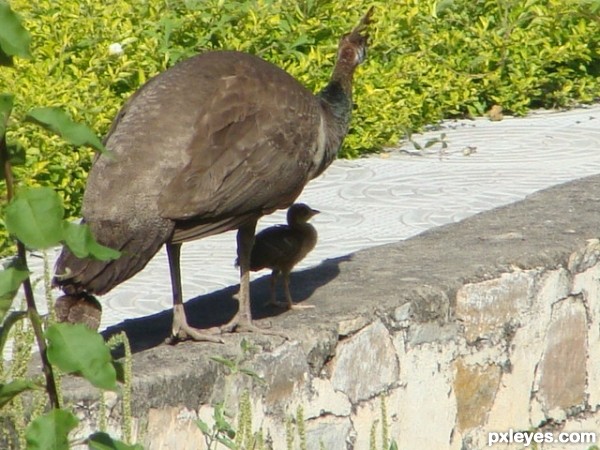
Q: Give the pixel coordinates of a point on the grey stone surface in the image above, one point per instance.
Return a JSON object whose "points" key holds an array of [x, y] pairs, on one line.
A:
{"points": [[563, 365], [330, 433], [365, 364], [484, 310]]}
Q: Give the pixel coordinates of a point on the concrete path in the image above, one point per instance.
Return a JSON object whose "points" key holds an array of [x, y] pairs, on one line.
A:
{"points": [[393, 196]]}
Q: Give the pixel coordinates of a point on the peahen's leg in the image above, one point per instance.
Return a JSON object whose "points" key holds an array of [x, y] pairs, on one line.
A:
{"points": [[181, 329], [242, 321]]}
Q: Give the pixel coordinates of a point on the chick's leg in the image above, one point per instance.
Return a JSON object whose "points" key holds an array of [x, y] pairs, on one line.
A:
{"points": [[290, 304], [273, 286]]}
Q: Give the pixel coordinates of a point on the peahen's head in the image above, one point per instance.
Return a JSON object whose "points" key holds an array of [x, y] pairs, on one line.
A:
{"points": [[353, 46]]}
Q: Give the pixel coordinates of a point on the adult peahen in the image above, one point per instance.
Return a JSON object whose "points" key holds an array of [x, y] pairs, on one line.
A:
{"points": [[210, 145]]}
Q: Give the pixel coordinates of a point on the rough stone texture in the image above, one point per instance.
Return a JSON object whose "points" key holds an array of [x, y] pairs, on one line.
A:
{"points": [[426, 398], [331, 432], [425, 322], [323, 400], [184, 434], [475, 389], [365, 364], [562, 368], [284, 370], [487, 308], [511, 406], [588, 285]]}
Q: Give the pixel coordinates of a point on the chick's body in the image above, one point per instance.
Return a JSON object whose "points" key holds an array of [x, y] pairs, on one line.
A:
{"points": [[281, 247]]}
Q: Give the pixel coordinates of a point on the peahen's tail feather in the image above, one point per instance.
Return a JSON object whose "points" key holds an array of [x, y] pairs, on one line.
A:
{"points": [[137, 246]]}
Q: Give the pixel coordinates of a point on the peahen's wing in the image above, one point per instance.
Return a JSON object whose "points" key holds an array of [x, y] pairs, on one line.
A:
{"points": [[252, 150]]}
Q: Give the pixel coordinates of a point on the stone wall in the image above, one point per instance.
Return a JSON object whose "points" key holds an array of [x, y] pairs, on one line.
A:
{"points": [[485, 326]]}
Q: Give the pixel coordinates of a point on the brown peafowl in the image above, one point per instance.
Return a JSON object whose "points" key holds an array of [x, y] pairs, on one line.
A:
{"points": [[210, 145]]}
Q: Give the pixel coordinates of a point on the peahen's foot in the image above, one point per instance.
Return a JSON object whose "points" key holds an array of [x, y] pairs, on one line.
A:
{"points": [[182, 331], [187, 332]]}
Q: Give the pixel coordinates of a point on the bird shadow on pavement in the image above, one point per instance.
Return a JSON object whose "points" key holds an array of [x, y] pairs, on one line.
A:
{"points": [[218, 307]]}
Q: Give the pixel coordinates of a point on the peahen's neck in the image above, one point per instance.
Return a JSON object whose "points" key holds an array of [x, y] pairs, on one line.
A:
{"points": [[336, 101], [337, 97]]}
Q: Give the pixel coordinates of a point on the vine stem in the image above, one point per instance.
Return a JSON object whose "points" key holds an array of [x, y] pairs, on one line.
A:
{"points": [[32, 312], [6, 166], [36, 322]]}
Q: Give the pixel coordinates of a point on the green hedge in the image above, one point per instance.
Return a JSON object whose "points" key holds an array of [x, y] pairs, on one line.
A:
{"points": [[428, 60]]}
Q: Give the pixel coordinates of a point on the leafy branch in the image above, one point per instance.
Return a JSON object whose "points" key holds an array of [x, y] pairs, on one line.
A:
{"points": [[34, 217]]}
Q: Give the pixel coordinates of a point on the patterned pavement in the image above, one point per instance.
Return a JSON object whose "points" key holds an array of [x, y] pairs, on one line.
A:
{"points": [[393, 196]]}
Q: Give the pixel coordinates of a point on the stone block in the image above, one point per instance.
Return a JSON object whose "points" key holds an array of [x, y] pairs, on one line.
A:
{"points": [[585, 257], [321, 399], [511, 408], [425, 405], [486, 308], [173, 429], [432, 332], [365, 364], [349, 326], [285, 371], [588, 285], [475, 388], [429, 303], [330, 431], [562, 369]]}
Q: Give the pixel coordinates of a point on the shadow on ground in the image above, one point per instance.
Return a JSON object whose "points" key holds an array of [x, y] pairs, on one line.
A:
{"points": [[217, 308]]}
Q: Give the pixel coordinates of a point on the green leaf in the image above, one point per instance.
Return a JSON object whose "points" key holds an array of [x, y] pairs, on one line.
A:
{"points": [[417, 146], [77, 349], [10, 280], [224, 361], [11, 390], [57, 121], [6, 106], [221, 422], [81, 242], [203, 427], [51, 431], [443, 6], [14, 38], [226, 442], [393, 445], [431, 142], [35, 217], [253, 374], [102, 441]]}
